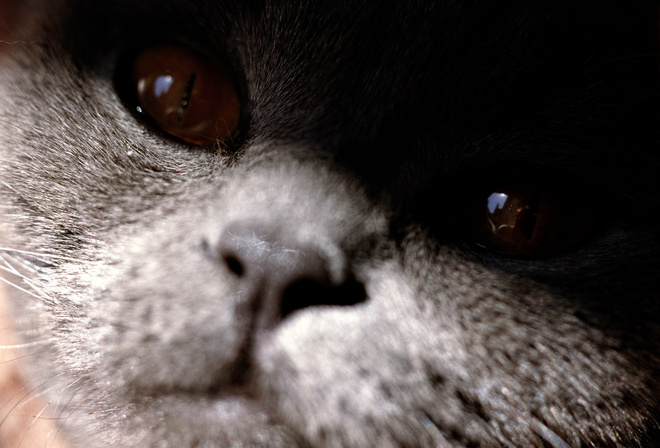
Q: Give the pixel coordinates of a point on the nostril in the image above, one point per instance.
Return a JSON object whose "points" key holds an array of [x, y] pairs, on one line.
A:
{"points": [[310, 292], [277, 275], [234, 265]]}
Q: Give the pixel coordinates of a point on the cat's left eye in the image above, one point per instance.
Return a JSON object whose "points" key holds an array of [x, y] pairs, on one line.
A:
{"points": [[185, 94]]}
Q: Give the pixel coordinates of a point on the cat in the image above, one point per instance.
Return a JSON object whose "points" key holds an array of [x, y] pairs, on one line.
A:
{"points": [[335, 224]]}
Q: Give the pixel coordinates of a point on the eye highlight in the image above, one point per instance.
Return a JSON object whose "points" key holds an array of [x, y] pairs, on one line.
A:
{"points": [[185, 94], [528, 221]]}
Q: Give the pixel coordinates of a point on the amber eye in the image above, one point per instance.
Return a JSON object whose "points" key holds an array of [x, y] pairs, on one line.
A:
{"points": [[185, 94], [528, 221]]}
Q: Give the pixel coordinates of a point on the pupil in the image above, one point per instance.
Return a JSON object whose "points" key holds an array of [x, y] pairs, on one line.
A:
{"points": [[186, 100]]}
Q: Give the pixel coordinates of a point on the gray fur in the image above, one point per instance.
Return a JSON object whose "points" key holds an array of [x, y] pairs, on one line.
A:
{"points": [[362, 121]]}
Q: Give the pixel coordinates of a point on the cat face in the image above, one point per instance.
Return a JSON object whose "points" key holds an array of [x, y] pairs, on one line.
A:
{"points": [[353, 224]]}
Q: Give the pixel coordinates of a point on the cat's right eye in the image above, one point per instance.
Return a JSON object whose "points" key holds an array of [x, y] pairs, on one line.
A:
{"points": [[528, 221], [185, 94]]}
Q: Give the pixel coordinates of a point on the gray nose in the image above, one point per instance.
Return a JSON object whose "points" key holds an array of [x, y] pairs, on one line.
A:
{"points": [[280, 276]]}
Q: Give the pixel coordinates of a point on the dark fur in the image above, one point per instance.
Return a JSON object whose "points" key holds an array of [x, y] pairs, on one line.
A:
{"points": [[366, 126]]}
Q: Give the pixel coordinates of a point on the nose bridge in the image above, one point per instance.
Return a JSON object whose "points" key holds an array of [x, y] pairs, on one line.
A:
{"points": [[290, 225], [303, 191]]}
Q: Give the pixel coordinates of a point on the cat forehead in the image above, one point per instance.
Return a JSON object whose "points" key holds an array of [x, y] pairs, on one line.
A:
{"points": [[443, 80], [430, 61]]}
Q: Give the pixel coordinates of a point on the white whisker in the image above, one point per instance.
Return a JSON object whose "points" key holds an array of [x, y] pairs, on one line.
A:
{"points": [[26, 264], [37, 255], [13, 285], [10, 269], [37, 290], [26, 345], [7, 185]]}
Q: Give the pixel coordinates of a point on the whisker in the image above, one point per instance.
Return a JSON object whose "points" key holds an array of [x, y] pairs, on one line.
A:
{"points": [[26, 401], [37, 254], [65, 419], [12, 271], [5, 183], [23, 399], [26, 345], [43, 409], [25, 263], [38, 290], [17, 358], [30, 263], [36, 296], [10, 266]]}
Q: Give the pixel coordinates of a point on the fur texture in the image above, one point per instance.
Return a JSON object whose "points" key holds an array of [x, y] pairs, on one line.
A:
{"points": [[366, 127]]}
